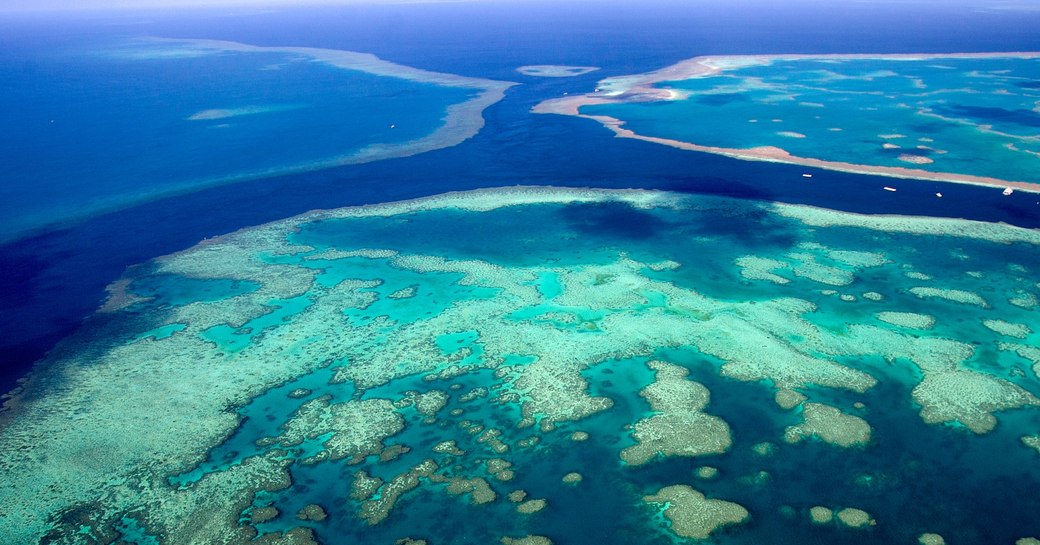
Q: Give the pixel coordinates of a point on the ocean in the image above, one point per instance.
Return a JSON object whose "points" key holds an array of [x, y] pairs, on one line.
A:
{"points": [[55, 277], [76, 217]]}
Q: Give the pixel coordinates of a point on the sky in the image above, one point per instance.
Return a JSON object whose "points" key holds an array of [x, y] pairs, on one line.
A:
{"points": [[45, 6], [70, 5]]}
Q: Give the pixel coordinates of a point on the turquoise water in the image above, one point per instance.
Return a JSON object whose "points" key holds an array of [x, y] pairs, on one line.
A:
{"points": [[106, 124], [140, 426], [912, 477], [964, 115], [176, 290]]}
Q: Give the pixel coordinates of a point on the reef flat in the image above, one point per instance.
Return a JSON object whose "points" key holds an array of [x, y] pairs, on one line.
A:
{"points": [[659, 366], [965, 118]]}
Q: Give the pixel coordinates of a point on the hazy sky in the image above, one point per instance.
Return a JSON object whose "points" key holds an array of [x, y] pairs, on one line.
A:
{"points": [[63, 5], [68, 5]]}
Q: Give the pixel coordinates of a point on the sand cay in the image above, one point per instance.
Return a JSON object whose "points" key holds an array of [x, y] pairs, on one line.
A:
{"points": [[461, 122], [555, 70], [227, 113], [643, 88]]}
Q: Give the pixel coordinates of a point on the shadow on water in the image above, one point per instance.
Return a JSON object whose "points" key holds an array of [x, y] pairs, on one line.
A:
{"points": [[752, 225], [613, 219], [986, 114], [748, 223], [719, 186]]}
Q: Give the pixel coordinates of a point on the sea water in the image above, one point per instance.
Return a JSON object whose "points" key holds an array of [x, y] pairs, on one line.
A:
{"points": [[968, 116], [445, 288]]}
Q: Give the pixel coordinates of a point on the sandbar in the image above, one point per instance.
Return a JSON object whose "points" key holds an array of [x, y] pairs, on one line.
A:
{"points": [[461, 121], [640, 88], [214, 114], [555, 70]]}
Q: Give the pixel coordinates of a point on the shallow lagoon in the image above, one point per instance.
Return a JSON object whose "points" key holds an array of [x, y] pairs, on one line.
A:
{"points": [[446, 318], [973, 116]]}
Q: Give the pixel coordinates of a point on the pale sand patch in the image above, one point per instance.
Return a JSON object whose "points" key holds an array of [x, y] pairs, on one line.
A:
{"points": [[517, 496], [364, 486], [555, 70], [788, 399], [915, 159], [969, 398], [226, 113], [807, 266], [931, 539], [531, 507], [855, 518], [829, 425], [764, 449], [377, 509], [760, 268], [403, 293], [357, 428], [855, 258], [1024, 299], [821, 515], [312, 512], [527, 540], [910, 320], [449, 448], [1007, 329], [706, 472], [679, 428], [477, 488], [500, 469], [572, 478], [1030, 353], [957, 296], [693, 515]]}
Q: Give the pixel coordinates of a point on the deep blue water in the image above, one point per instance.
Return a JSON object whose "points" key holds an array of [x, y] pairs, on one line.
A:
{"points": [[52, 279], [106, 124]]}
